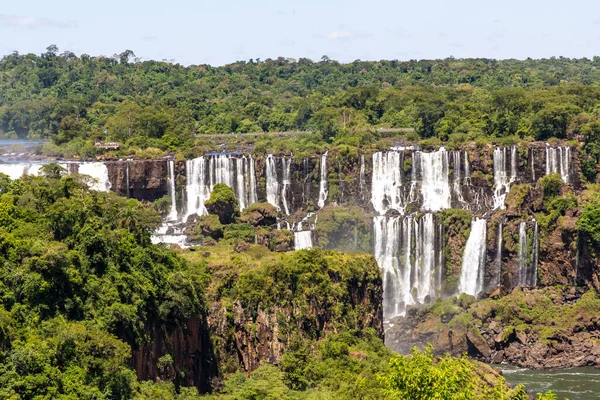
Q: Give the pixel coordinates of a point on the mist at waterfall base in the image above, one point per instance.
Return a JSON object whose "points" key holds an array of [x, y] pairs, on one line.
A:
{"points": [[573, 383]]}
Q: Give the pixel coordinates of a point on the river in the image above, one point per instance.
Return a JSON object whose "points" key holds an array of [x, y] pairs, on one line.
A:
{"points": [[572, 383]]}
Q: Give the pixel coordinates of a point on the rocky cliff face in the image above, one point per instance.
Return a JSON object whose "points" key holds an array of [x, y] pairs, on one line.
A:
{"points": [[139, 179]]}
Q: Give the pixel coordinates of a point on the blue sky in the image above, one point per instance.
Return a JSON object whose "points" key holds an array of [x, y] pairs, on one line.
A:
{"points": [[220, 32]]}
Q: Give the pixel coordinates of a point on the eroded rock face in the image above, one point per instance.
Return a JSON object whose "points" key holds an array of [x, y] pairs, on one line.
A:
{"points": [[183, 355], [139, 179]]}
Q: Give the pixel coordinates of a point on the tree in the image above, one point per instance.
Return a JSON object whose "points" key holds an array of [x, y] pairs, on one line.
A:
{"points": [[222, 202]]}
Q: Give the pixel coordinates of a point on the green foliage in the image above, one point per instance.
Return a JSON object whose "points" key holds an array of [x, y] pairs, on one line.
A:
{"points": [[222, 202], [518, 193], [235, 233], [259, 214], [209, 226], [551, 185], [589, 225]]}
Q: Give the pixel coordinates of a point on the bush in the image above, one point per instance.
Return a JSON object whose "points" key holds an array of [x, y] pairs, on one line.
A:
{"points": [[236, 233], [551, 185], [222, 202], [259, 214]]}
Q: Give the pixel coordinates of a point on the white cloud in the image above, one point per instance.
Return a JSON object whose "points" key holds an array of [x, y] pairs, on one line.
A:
{"points": [[26, 21], [339, 35]]}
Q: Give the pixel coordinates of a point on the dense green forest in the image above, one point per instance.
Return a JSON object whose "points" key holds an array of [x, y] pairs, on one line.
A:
{"points": [[74, 100], [80, 283]]}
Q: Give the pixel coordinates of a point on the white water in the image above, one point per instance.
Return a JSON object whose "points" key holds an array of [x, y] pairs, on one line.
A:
{"points": [[17, 170], [527, 261], [302, 240], [433, 168], [558, 160], [386, 186], [171, 183], [533, 274], [287, 163], [323, 191], [473, 262], [501, 180], [221, 168], [99, 173], [362, 183], [408, 252], [196, 190], [272, 182], [251, 179], [499, 257]]}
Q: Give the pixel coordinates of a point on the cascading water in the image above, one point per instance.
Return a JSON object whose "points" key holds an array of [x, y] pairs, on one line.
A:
{"points": [[513, 164], [498, 277], [203, 173], [99, 173], [251, 179], [362, 184], [196, 189], [323, 191], [407, 251], [558, 160], [303, 240], [17, 170], [287, 163], [433, 168], [527, 257], [501, 180], [171, 184], [272, 182], [473, 262], [457, 182], [386, 186]]}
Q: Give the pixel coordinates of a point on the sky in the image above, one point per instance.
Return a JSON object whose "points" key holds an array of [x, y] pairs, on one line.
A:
{"points": [[221, 32]]}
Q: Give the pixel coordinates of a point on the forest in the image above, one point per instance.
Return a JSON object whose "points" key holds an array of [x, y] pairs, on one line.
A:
{"points": [[77, 100]]}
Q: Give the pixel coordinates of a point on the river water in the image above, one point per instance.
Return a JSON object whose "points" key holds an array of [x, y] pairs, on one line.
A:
{"points": [[572, 383]]}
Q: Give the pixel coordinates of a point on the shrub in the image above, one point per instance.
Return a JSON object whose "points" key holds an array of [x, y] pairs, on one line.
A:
{"points": [[223, 203]]}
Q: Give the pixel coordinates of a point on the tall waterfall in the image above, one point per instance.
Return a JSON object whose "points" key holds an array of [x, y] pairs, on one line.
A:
{"points": [[287, 163], [558, 160], [362, 184], [473, 262], [272, 181], [386, 186], [171, 183], [409, 253], [323, 191], [252, 183], [99, 173], [527, 258], [302, 240], [498, 276], [433, 168], [501, 177], [17, 170], [196, 189], [203, 173], [457, 182]]}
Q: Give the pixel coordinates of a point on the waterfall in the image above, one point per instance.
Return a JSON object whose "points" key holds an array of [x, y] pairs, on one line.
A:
{"points": [[533, 274], [433, 168], [302, 240], [17, 170], [127, 166], [527, 259], [196, 189], [386, 186], [522, 277], [532, 162], [323, 192], [501, 181], [286, 183], [171, 183], [513, 164], [473, 262], [362, 183], [457, 182], [272, 182], [203, 173], [499, 257], [408, 252], [252, 183], [240, 181], [99, 173], [558, 160]]}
